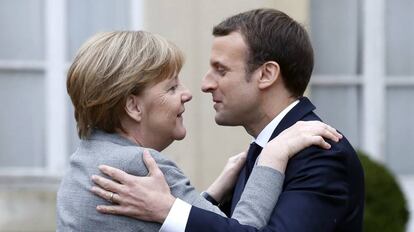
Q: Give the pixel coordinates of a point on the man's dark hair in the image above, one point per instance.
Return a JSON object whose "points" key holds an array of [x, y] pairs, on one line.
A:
{"points": [[271, 35]]}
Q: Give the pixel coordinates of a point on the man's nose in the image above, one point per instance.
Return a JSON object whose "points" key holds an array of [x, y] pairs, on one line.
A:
{"points": [[209, 83]]}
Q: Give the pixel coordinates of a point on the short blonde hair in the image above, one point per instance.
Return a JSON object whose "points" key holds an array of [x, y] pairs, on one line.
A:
{"points": [[111, 66]]}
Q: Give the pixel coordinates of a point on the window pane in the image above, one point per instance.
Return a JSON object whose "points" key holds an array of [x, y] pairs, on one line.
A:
{"points": [[335, 32], [400, 129], [22, 29], [22, 121], [87, 17], [339, 107], [399, 37]]}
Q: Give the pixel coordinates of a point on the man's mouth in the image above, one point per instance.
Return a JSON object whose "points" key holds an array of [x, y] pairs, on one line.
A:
{"points": [[216, 100]]}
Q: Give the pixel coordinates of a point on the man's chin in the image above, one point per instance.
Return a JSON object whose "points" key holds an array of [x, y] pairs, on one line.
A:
{"points": [[180, 136], [223, 122]]}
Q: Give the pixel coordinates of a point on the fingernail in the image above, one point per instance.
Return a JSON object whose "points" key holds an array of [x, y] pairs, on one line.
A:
{"points": [[146, 155], [95, 178]]}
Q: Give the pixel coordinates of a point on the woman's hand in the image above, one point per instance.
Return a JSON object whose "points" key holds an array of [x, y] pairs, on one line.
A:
{"points": [[221, 188], [294, 139]]}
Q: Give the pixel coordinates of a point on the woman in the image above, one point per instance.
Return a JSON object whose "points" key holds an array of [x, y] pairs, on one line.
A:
{"points": [[127, 96]]}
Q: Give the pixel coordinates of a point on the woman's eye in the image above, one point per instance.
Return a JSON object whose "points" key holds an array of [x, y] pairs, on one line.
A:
{"points": [[173, 88]]}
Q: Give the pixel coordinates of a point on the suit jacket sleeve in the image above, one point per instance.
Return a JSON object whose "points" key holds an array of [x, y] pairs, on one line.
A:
{"points": [[254, 208], [314, 197]]}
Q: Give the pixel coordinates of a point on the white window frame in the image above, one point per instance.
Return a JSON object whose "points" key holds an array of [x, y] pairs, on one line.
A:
{"points": [[373, 80], [56, 118], [374, 83], [56, 110]]}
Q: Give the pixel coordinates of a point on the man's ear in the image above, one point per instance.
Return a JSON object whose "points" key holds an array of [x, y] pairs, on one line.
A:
{"points": [[269, 74], [133, 108]]}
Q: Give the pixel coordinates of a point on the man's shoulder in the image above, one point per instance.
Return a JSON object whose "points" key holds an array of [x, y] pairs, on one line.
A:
{"points": [[341, 147], [331, 172], [341, 152]]}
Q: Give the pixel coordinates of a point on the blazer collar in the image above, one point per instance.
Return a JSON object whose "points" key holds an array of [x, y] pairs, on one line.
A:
{"points": [[110, 137], [301, 109]]}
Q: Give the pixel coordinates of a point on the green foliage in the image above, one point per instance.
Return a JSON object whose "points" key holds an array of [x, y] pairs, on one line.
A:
{"points": [[385, 205]]}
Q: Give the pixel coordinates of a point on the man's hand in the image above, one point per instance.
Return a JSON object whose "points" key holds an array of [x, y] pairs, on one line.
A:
{"points": [[145, 198]]}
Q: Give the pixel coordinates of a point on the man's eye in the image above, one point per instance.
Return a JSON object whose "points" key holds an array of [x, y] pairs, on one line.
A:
{"points": [[221, 71]]}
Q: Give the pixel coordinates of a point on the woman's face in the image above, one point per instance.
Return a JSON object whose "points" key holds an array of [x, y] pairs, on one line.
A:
{"points": [[162, 107]]}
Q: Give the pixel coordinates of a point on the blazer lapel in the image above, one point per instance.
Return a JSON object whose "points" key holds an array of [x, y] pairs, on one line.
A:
{"points": [[296, 114], [241, 181]]}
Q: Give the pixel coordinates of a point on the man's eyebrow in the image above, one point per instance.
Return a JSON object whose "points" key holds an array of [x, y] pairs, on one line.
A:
{"points": [[218, 64]]}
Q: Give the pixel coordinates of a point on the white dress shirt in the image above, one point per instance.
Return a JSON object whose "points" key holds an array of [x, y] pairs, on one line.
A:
{"points": [[177, 218]]}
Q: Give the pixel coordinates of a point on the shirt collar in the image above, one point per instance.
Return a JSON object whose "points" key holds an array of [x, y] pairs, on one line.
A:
{"points": [[265, 134]]}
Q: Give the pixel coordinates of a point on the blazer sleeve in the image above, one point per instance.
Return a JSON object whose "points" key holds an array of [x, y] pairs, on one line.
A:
{"points": [[259, 197], [314, 198], [254, 208]]}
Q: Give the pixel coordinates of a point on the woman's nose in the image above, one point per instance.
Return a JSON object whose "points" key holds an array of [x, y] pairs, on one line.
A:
{"points": [[186, 96]]}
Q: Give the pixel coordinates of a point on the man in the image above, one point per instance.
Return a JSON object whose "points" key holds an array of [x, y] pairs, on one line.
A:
{"points": [[261, 63]]}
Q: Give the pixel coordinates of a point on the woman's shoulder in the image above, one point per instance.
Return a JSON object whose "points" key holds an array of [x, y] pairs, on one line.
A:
{"points": [[136, 161], [117, 152]]}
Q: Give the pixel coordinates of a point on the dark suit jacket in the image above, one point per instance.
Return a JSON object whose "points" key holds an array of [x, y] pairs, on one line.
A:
{"points": [[323, 189]]}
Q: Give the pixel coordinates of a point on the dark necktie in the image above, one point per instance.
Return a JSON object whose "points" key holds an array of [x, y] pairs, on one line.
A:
{"points": [[252, 154]]}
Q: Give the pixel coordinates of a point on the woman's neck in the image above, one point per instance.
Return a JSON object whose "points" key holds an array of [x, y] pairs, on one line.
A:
{"points": [[136, 137]]}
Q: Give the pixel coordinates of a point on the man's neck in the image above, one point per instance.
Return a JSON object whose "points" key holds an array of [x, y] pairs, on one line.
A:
{"points": [[269, 110]]}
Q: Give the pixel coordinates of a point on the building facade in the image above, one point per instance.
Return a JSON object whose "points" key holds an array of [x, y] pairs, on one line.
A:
{"points": [[364, 62]]}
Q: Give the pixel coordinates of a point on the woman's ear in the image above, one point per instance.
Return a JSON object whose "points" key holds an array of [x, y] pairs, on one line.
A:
{"points": [[133, 108], [269, 74]]}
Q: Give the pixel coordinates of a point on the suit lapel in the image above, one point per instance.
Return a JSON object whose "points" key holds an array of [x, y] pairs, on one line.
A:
{"points": [[295, 114], [241, 181]]}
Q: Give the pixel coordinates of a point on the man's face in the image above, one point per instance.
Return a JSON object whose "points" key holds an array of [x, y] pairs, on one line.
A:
{"points": [[234, 96]]}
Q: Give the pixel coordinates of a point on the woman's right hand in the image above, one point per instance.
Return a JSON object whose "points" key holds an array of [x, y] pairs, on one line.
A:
{"points": [[222, 187], [302, 134]]}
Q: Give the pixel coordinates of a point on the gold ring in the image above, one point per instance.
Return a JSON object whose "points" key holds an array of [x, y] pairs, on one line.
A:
{"points": [[111, 197]]}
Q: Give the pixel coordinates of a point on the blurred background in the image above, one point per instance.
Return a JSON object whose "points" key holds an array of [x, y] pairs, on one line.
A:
{"points": [[364, 67]]}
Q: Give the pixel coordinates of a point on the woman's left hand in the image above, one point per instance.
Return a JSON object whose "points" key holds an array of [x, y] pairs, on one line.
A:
{"points": [[294, 139]]}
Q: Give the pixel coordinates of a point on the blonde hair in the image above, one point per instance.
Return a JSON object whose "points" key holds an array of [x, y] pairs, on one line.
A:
{"points": [[111, 66]]}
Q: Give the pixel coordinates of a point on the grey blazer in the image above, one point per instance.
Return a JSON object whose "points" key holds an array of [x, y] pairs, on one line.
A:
{"points": [[76, 205]]}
